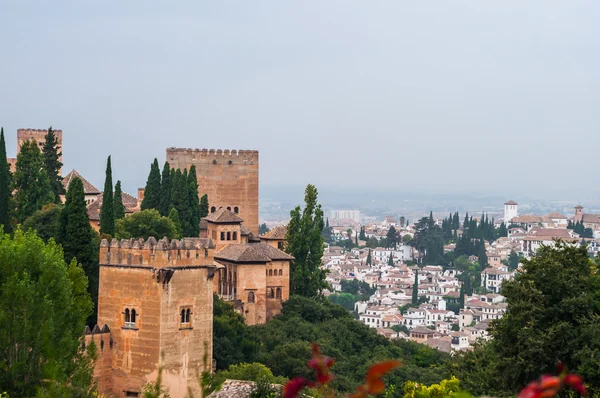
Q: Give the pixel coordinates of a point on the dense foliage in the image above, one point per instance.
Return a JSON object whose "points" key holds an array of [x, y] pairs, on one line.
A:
{"points": [[304, 241], [118, 207], [52, 163], [145, 224], [5, 190], [553, 315], [45, 222], [284, 344], [43, 309], [152, 191]]}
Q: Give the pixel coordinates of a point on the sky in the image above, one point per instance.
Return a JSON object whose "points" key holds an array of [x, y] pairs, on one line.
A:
{"points": [[494, 97]]}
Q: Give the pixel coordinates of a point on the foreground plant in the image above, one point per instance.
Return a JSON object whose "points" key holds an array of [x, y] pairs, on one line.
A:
{"points": [[322, 366], [549, 386]]}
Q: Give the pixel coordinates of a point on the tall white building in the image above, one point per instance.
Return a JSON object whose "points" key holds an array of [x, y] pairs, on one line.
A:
{"points": [[353, 215], [511, 210]]}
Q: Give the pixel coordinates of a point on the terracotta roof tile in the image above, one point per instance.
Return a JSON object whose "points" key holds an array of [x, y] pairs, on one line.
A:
{"points": [[95, 207], [242, 254], [277, 233], [271, 252], [88, 188], [223, 216]]}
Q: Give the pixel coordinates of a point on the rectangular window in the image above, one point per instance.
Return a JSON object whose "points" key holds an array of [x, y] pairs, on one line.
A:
{"points": [[222, 235], [185, 317]]}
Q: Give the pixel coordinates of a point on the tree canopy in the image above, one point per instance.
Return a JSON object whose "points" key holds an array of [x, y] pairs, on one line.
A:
{"points": [[51, 154], [107, 212], [304, 241], [152, 191], [43, 309], [5, 189], [145, 224]]}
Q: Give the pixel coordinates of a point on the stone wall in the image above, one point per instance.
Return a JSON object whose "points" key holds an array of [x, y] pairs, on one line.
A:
{"points": [[229, 178]]}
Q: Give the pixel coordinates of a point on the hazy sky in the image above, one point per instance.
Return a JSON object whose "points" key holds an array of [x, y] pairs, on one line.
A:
{"points": [[444, 96]]}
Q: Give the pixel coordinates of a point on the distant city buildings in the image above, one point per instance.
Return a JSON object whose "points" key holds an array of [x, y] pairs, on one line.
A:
{"points": [[352, 215]]}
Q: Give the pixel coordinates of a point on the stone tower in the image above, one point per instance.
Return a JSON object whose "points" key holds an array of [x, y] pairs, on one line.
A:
{"points": [[39, 135], [155, 305], [578, 213], [511, 210], [229, 178]]}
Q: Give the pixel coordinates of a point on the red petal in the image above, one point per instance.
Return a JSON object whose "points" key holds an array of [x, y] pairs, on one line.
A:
{"points": [[293, 387], [381, 368], [576, 383]]}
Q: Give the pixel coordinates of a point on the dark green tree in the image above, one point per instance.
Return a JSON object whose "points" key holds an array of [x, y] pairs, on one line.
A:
{"points": [[304, 241], [31, 182], [415, 289], [513, 260], [45, 222], [52, 163], [180, 200], [78, 239], [369, 258], [164, 202], [263, 229], [145, 224], [362, 236], [5, 190], [391, 259], [193, 204], [203, 212], [119, 208], [43, 309], [107, 212], [153, 188], [502, 231], [392, 237], [174, 217], [327, 232]]}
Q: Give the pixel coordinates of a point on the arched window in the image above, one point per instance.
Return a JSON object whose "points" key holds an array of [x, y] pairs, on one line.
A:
{"points": [[251, 297], [280, 272], [236, 210], [213, 209], [222, 235], [133, 315], [183, 316], [234, 235], [278, 293], [229, 208], [228, 235], [270, 272], [187, 315], [270, 292], [127, 316]]}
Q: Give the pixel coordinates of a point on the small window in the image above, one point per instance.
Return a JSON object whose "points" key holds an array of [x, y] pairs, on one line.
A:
{"points": [[228, 235], [235, 236], [251, 297], [132, 394], [185, 317], [213, 209], [236, 210], [280, 245], [270, 272], [270, 292], [229, 208], [130, 318], [222, 235], [278, 293], [280, 272]]}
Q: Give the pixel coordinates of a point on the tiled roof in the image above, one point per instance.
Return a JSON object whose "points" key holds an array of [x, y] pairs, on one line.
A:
{"points": [[242, 254], [527, 218], [442, 344], [277, 233], [591, 218], [223, 216], [237, 389], [271, 252], [511, 202], [95, 207], [245, 231], [88, 188], [556, 215]]}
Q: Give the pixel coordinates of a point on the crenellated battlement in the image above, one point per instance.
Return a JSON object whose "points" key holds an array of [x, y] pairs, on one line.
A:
{"points": [[198, 154], [154, 253], [45, 131]]}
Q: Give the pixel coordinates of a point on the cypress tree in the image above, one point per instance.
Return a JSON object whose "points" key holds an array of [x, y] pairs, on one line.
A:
{"points": [[153, 188], [77, 237], [31, 181], [5, 191], [179, 200], [107, 215], [203, 210], [415, 291], [193, 203], [164, 203], [119, 208], [391, 259], [174, 216], [369, 258], [53, 164]]}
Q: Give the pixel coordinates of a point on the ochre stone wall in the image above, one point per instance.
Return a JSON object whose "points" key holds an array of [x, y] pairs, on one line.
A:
{"points": [[277, 281], [229, 178], [157, 279]]}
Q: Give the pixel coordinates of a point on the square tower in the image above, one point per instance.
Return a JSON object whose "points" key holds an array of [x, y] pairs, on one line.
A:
{"points": [[229, 178], [511, 210], [156, 299]]}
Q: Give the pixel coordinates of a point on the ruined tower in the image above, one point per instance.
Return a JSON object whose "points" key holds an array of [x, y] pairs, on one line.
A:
{"points": [[155, 306], [229, 178]]}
